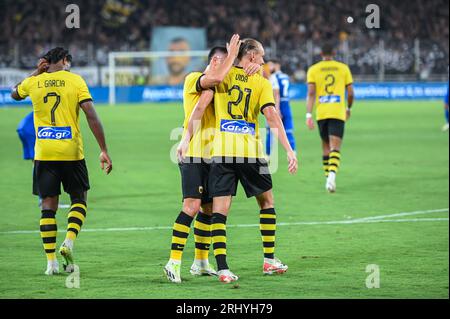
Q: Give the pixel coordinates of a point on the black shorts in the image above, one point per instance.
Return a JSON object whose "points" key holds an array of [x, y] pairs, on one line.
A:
{"points": [[194, 179], [48, 176], [331, 127], [253, 174]]}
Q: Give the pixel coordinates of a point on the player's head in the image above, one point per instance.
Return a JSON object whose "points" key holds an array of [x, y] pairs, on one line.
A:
{"points": [[178, 64], [251, 50], [59, 56], [274, 65], [328, 50], [216, 56]]}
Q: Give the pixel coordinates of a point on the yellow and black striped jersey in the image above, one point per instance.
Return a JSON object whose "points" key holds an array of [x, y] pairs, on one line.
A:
{"points": [[238, 101], [201, 143], [331, 79], [56, 99]]}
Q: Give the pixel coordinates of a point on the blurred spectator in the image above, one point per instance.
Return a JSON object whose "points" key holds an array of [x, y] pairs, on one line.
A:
{"points": [[29, 27]]}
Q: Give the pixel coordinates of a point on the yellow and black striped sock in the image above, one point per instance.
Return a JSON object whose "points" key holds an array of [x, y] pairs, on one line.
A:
{"points": [[76, 218], [326, 160], [180, 233], [202, 234], [49, 231], [267, 226], [219, 239], [335, 161]]}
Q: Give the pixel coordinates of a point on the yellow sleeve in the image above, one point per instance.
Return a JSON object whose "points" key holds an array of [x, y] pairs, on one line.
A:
{"points": [[266, 98], [311, 76], [83, 92], [23, 89], [192, 84], [348, 76]]}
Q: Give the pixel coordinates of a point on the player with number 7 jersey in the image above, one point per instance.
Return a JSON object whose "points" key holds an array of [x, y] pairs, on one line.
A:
{"points": [[57, 96]]}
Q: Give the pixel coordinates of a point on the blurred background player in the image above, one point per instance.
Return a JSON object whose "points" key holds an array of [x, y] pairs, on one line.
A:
{"points": [[57, 95], [280, 84], [328, 82], [446, 125], [27, 135]]}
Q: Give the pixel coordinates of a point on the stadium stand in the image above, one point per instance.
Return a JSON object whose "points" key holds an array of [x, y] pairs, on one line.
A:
{"points": [[126, 25]]}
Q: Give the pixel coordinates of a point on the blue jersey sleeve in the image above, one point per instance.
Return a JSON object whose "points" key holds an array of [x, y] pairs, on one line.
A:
{"points": [[26, 126]]}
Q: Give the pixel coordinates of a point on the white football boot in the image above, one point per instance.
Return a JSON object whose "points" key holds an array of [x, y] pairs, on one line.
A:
{"points": [[172, 270], [66, 251], [331, 182], [52, 268], [274, 266], [202, 268], [227, 276]]}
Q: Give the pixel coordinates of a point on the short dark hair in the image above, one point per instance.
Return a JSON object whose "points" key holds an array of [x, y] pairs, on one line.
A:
{"points": [[178, 39], [274, 60], [247, 46], [328, 49], [57, 54], [215, 50]]}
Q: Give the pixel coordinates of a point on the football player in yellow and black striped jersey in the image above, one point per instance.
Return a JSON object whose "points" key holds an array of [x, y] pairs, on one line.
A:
{"points": [[238, 154], [195, 167], [57, 96], [328, 83]]}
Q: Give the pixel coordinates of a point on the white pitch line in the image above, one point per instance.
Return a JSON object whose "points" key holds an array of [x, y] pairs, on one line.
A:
{"points": [[419, 212], [366, 220]]}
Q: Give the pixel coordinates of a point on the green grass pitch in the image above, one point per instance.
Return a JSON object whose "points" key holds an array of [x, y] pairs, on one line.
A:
{"points": [[394, 160]]}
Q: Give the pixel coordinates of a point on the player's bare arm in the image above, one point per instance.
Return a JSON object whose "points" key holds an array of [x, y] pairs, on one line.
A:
{"points": [[310, 105], [97, 129], [276, 124], [215, 77], [42, 67], [196, 116], [350, 99], [276, 95]]}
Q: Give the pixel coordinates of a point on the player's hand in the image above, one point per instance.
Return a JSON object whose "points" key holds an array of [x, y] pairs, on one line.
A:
{"points": [[310, 123], [348, 113], [234, 45], [105, 162], [42, 66], [252, 68], [293, 162], [182, 150]]}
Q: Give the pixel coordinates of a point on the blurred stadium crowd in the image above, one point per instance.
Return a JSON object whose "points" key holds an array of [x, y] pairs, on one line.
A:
{"points": [[292, 30]]}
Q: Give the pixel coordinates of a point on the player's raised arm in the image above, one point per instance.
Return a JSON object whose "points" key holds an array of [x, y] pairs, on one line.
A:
{"points": [[276, 124], [205, 100], [215, 77], [97, 129], [42, 67], [311, 98]]}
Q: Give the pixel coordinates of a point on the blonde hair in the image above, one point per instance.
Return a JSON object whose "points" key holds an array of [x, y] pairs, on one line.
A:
{"points": [[247, 46]]}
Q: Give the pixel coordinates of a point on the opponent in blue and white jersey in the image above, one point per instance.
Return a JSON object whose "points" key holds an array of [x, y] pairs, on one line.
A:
{"points": [[280, 84], [27, 135]]}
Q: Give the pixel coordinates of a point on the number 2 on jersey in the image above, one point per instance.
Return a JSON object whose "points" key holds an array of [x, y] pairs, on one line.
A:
{"points": [[55, 106], [238, 101], [331, 80]]}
